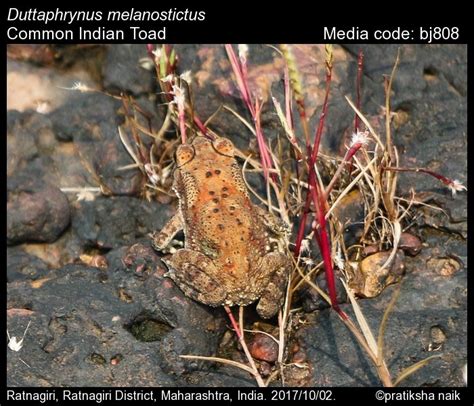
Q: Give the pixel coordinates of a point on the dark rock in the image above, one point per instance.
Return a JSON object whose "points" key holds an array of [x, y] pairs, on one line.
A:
{"points": [[350, 213], [32, 149], [108, 159], [23, 266], [312, 300], [216, 379], [122, 71], [66, 342], [188, 327], [26, 141], [37, 211], [116, 221], [92, 120], [14, 117], [80, 323], [87, 117]]}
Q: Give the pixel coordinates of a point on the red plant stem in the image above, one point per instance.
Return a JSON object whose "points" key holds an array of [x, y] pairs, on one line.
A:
{"points": [[300, 235], [322, 239], [312, 155], [304, 217], [266, 158], [347, 158], [182, 124], [240, 336], [240, 71], [239, 75], [442, 178], [321, 235], [201, 126], [319, 131], [234, 323], [326, 253], [360, 65]]}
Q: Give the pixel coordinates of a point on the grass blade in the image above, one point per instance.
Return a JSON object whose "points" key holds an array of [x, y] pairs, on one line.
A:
{"points": [[383, 324], [413, 368], [128, 147], [221, 360], [361, 321]]}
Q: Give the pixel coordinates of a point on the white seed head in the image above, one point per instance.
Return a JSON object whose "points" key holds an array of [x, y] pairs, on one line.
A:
{"points": [[81, 87], [166, 172], [456, 186], [360, 137], [179, 97]]}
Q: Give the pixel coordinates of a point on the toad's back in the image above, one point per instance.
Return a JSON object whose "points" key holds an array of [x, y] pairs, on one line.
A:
{"points": [[220, 220]]}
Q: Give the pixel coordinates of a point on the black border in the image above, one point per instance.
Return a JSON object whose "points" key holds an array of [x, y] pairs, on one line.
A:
{"points": [[291, 23]]}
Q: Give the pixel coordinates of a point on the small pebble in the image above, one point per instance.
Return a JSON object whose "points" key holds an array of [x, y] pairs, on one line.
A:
{"points": [[264, 348], [371, 278], [115, 360], [410, 244]]}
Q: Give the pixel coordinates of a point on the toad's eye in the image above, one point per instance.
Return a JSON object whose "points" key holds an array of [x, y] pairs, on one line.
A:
{"points": [[184, 154], [224, 146]]}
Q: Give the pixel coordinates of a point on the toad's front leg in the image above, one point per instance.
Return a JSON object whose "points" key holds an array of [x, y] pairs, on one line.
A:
{"points": [[162, 241], [196, 275], [274, 224]]}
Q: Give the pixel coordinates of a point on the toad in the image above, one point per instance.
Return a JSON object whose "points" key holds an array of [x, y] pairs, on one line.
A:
{"points": [[233, 251]]}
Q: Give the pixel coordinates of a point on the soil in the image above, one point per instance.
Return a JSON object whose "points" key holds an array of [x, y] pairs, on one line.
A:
{"points": [[81, 269]]}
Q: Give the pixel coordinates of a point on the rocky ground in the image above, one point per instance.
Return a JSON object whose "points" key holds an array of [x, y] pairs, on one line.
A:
{"points": [[80, 268]]}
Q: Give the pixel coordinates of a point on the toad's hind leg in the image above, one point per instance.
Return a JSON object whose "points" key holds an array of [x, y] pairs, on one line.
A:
{"points": [[196, 275], [271, 298]]}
